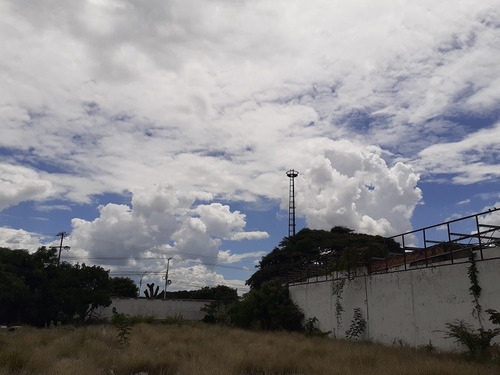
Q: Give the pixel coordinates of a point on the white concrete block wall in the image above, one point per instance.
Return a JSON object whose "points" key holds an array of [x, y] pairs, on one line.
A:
{"points": [[409, 307], [157, 308]]}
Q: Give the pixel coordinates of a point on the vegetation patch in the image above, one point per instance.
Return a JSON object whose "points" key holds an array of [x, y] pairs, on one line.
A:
{"points": [[210, 349]]}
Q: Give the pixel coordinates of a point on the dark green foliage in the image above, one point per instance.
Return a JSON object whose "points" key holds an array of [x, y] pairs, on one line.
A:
{"points": [[219, 293], [177, 319], [494, 316], [325, 251], [357, 327], [151, 292], [35, 289], [337, 290], [218, 311], [475, 288], [311, 329], [268, 308], [124, 287], [123, 325], [476, 341]]}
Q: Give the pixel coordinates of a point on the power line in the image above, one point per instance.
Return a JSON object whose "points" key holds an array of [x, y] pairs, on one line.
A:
{"points": [[143, 249], [180, 284]]}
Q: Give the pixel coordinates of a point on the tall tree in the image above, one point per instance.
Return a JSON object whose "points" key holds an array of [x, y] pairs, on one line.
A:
{"points": [[268, 308], [124, 287], [35, 289], [326, 251]]}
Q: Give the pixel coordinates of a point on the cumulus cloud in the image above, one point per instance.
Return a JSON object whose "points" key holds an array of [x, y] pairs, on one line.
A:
{"points": [[162, 218], [352, 186], [162, 223], [223, 223], [18, 184], [190, 89], [492, 218], [192, 106], [227, 257], [471, 159], [19, 239]]}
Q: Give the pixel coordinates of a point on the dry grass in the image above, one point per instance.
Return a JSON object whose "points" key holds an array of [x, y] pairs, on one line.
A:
{"points": [[200, 349]]}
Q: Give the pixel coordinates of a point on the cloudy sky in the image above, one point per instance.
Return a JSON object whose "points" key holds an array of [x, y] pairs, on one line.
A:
{"points": [[155, 129]]}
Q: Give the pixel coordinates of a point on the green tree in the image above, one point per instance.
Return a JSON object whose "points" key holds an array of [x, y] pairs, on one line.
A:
{"points": [[35, 289], [124, 287], [268, 308], [14, 297], [21, 277], [224, 298], [321, 251]]}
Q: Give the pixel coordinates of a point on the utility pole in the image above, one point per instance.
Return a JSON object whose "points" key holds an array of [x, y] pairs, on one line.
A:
{"points": [[167, 281], [61, 234], [140, 282]]}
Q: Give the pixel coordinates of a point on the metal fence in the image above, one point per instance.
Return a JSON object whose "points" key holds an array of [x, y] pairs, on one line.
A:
{"points": [[450, 242]]}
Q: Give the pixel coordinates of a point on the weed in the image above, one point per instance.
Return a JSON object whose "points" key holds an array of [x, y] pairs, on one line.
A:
{"points": [[311, 329], [177, 319], [136, 319], [123, 325], [337, 289], [14, 359], [429, 348], [357, 327], [477, 341], [211, 349]]}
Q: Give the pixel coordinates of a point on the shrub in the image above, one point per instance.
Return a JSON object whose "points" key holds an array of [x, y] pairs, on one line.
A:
{"points": [[477, 341], [357, 327], [311, 329], [123, 325], [176, 319], [268, 308]]}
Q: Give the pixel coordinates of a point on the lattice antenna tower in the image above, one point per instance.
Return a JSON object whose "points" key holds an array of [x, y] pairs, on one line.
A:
{"points": [[291, 202]]}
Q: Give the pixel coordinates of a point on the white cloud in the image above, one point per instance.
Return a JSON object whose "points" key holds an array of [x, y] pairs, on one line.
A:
{"points": [[188, 103], [352, 186], [52, 207], [19, 239], [226, 256], [18, 184], [472, 159], [223, 223], [492, 218], [162, 223]]}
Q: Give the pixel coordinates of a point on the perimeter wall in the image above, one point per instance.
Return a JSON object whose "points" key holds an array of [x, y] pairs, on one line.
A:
{"points": [[157, 308], [410, 307]]}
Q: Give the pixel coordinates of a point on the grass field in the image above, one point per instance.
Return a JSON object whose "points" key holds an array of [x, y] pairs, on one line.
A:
{"points": [[201, 349]]}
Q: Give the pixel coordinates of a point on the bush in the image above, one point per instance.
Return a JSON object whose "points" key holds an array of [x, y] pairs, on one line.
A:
{"points": [[123, 325], [358, 326], [177, 319], [268, 308], [311, 329], [477, 341]]}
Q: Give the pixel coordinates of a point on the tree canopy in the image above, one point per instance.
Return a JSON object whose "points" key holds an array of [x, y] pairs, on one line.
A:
{"points": [[268, 308], [36, 289], [218, 293], [124, 287], [326, 251]]}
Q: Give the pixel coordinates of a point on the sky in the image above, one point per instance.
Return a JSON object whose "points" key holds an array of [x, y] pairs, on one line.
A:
{"points": [[148, 130]]}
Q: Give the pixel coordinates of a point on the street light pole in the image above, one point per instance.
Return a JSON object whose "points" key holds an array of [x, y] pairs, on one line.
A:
{"points": [[166, 279], [140, 283]]}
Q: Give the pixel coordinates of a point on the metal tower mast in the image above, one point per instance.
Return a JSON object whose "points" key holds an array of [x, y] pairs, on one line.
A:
{"points": [[291, 202]]}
